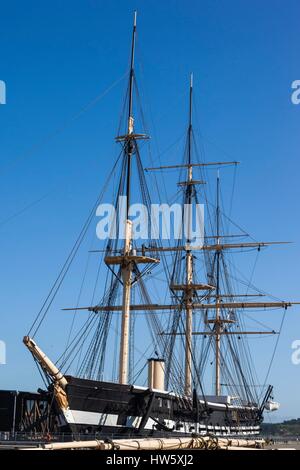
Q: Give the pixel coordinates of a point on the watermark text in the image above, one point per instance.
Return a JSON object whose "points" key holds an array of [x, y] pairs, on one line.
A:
{"points": [[159, 221], [296, 353], [2, 92], [295, 97], [2, 352]]}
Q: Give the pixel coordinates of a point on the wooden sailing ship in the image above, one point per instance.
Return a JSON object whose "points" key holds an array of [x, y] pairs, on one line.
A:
{"points": [[174, 401]]}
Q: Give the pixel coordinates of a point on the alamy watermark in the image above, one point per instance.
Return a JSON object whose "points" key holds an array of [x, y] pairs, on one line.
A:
{"points": [[295, 96], [159, 221], [2, 352], [2, 92], [296, 353]]}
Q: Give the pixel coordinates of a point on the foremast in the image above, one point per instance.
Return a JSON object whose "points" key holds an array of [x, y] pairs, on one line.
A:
{"points": [[127, 266], [128, 258], [189, 261], [218, 321]]}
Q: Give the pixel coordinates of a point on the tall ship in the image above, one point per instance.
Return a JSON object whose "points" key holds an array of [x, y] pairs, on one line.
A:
{"points": [[163, 348]]}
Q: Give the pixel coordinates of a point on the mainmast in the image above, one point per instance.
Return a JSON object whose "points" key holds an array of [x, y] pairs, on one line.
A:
{"points": [[189, 261]]}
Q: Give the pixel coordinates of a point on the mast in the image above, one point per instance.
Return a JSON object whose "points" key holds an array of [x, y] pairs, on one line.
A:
{"points": [[126, 258], [189, 262], [129, 144], [127, 267], [217, 316]]}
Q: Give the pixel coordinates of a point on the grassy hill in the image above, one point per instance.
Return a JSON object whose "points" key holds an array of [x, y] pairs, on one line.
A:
{"points": [[286, 428]]}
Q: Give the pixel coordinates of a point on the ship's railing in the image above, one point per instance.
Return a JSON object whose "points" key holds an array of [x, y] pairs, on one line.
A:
{"points": [[19, 437], [6, 437]]}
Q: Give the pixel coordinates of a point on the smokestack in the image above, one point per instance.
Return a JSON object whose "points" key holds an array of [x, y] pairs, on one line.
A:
{"points": [[156, 373]]}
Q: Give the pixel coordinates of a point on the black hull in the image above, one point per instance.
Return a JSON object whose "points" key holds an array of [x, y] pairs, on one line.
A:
{"points": [[113, 410]]}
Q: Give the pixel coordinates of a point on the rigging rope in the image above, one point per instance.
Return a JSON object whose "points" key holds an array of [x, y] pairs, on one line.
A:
{"points": [[65, 268]]}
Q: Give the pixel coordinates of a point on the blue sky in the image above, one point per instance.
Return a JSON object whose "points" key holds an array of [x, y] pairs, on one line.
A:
{"points": [[56, 58]]}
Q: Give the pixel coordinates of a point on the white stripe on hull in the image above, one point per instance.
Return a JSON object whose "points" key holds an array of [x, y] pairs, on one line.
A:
{"points": [[89, 418]]}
